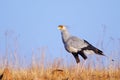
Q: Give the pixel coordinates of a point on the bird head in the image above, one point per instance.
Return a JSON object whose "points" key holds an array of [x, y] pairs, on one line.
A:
{"points": [[61, 27]]}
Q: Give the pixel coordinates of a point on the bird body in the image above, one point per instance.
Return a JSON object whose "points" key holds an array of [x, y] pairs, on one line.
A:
{"points": [[76, 45]]}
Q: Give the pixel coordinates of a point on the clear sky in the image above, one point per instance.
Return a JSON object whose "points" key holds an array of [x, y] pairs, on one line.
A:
{"points": [[34, 23]]}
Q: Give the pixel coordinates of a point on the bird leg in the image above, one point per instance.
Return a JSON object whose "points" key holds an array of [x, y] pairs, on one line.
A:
{"points": [[76, 57], [82, 54]]}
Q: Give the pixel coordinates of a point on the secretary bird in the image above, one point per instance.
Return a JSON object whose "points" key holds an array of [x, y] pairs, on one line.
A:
{"points": [[77, 46]]}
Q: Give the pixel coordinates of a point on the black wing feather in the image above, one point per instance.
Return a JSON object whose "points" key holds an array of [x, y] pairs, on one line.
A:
{"points": [[91, 47]]}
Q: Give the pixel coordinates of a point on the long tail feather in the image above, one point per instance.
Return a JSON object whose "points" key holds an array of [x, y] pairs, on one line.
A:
{"points": [[97, 51]]}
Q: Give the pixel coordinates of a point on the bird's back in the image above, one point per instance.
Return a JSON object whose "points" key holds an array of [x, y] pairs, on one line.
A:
{"points": [[76, 42]]}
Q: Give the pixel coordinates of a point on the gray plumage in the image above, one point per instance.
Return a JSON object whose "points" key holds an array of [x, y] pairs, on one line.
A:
{"points": [[76, 45]]}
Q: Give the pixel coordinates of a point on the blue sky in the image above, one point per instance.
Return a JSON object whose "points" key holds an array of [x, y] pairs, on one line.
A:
{"points": [[34, 23]]}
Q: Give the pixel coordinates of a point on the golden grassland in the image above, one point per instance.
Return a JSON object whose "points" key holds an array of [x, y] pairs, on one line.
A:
{"points": [[58, 70], [66, 74]]}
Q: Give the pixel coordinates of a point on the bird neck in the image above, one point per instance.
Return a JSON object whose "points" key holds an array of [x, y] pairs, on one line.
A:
{"points": [[65, 35]]}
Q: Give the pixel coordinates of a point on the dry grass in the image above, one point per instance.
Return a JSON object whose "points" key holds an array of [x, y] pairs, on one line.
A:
{"points": [[44, 69], [63, 73], [58, 70]]}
